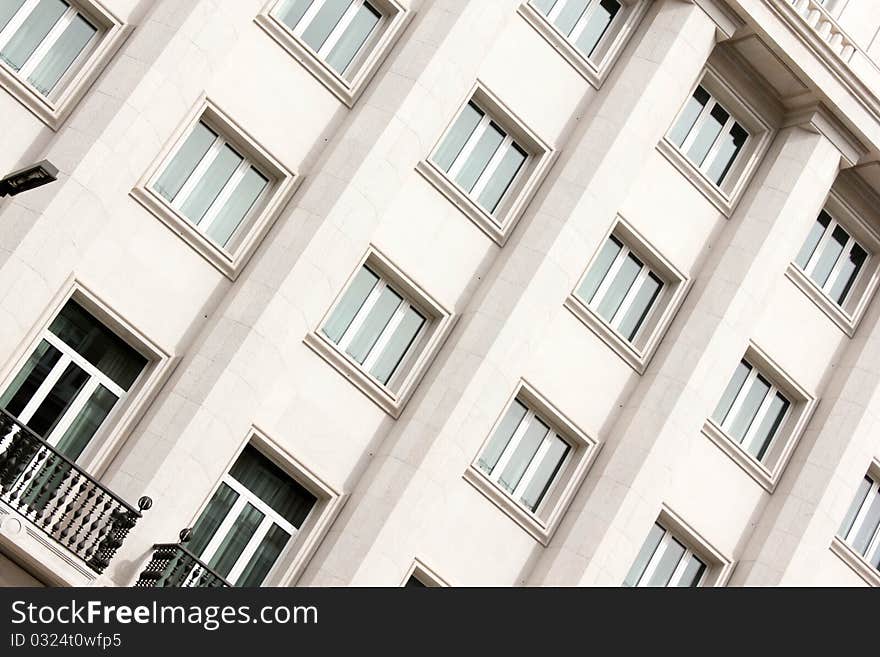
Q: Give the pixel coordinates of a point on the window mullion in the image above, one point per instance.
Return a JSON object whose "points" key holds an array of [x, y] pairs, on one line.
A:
{"points": [[224, 527], [859, 520], [261, 506], [308, 17], [630, 296], [511, 446], [249, 550], [46, 44], [718, 143], [556, 9], [469, 147], [492, 166], [362, 314], [82, 363], [838, 266], [680, 567], [763, 409], [198, 173], [385, 335], [44, 389], [79, 401], [820, 249], [656, 558], [533, 466], [602, 290], [583, 21], [223, 197], [873, 545], [340, 27], [15, 23], [698, 124], [740, 398]]}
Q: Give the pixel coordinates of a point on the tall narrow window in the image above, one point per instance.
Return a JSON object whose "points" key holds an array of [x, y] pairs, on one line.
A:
{"points": [[43, 40], [337, 31], [620, 288], [480, 158], [524, 456], [584, 23], [663, 560], [211, 184], [708, 135], [832, 258], [861, 526], [751, 410], [250, 520]]}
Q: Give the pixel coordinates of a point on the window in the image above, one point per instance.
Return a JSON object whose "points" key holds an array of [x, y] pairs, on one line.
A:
{"points": [[341, 42], [583, 22], [381, 332], [665, 561], [832, 258], [860, 529], [420, 576], [250, 519], [488, 164], [708, 135], [72, 381]]}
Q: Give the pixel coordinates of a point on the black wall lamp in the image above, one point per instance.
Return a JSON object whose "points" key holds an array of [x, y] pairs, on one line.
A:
{"points": [[30, 177]]}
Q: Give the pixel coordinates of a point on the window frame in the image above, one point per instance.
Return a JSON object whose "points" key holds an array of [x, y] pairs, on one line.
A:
{"points": [[848, 315], [839, 545], [498, 225], [778, 452], [54, 108], [543, 522], [283, 182], [427, 576], [594, 70], [395, 17], [393, 396], [676, 285]]}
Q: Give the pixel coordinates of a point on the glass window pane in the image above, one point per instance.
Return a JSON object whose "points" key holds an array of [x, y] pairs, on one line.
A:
{"points": [[33, 30], [597, 26], [476, 163], [731, 145], [828, 257], [619, 287], [58, 401], [87, 422], [868, 528], [264, 558], [235, 541], [672, 554], [210, 519], [523, 455], [398, 345], [325, 20], [689, 116], [8, 9], [29, 378], [457, 136], [415, 583], [353, 38], [545, 474], [645, 553], [599, 270], [544, 6], [184, 162], [769, 426], [640, 307], [350, 304], [210, 185], [62, 54], [730, 393], [858, 500], [693, 572], [708, 133], [501, 179], [506, 428], [570, 15], [290, 12], [849, 270], [816, 232], [376, 321], [246, 193], [746, 414]]}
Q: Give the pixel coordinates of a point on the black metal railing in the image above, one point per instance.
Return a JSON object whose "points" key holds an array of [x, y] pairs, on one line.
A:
{"points": [[60, 498], [172, 566]]}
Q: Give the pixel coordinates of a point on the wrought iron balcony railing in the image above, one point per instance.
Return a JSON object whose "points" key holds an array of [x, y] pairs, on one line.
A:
{"points": [[60, 498], [173, 566]]}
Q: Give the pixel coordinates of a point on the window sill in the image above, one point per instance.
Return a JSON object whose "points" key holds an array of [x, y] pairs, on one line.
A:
{"points": [[855, 561], [637, 360], [764, 477], [347, 91], [724, 203], [841, 319]]}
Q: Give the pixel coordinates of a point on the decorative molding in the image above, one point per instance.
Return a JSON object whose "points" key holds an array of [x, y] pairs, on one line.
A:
{"points": [[421, 572], [819, 119], [720, 566], [727, 22], [855, 562]]}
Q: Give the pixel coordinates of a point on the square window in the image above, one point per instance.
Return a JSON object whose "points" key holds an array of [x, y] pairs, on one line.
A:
{"points": [[217, 188], [589, 34], [858, 539], [760, 417], [382, 331], [341, 42], [835, 267], [629, 295], [488, 164], [675, 556], [51, 50], [716, 141], [532, 463]]}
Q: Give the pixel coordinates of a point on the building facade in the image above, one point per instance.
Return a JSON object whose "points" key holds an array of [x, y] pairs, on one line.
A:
{"points": [[436, 292]]}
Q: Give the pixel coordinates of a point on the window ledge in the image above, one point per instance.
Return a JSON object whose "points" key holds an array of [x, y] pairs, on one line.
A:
{"points": [[855, 561], [764, 477], [635, 359], [842, 320], [713, 194]]}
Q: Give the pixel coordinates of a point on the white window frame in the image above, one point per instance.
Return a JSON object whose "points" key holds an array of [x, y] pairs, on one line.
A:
{"points": [[349, 86], [801, 406], [841, 547], [593, 69], [638, 352], [231, 259], [653, 563], [816, 256], [543, 522], [54, 109], [427, 576], [393, 396]]}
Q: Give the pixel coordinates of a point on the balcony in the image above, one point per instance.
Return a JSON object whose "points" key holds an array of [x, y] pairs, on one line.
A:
{"points": [[825, 26], [60, 500], [173, 566]]}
